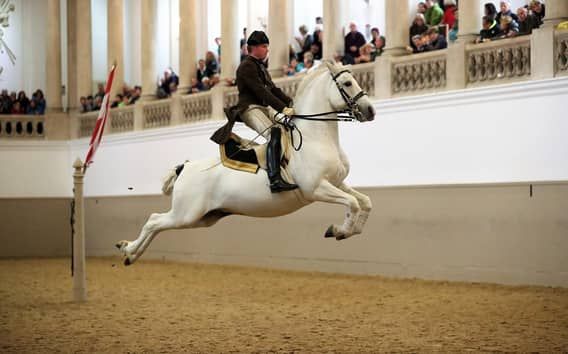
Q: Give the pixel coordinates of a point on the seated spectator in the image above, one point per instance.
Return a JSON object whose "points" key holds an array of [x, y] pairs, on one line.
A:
{"points": [[365, 54], [211, 64], [292, 68], [40, 101], [196, 86], [538, 10], [449, 13], [98, 103], [490, 30], [434, 13], [90, 102], [5, 103], [117, 100], [421, 8], [100, 90], [435, 40], [353, 41], [378, 42], [17, 108], [490, 10], [309, 63], [135, 95], [417, 29], [509, 27], [125, 101], [527, 21], [169, 82], [24, 101], [32, 109], [418, 44], [84, 107], [505, 7]]}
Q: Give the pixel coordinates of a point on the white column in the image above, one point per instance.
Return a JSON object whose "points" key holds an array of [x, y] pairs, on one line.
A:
{"points": [[230, 38], [397, 26], [187, 40], [147, 48], [84, 49], [279, 35], [115, 43], [201, 25], [543, 60], [470, 20], [53, 57], [333, 39]]}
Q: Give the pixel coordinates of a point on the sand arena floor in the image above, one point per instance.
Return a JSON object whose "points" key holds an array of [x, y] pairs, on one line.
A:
{"points": [[177, 307]]}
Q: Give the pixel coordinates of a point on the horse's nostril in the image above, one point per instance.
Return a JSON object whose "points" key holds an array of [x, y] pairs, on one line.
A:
{"points": [[371, 113]]}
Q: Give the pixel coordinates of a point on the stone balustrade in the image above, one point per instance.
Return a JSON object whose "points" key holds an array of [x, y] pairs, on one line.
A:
{"points": [[418, 73], [561, 55], [22, 126], [460, 66], [498, 61]]}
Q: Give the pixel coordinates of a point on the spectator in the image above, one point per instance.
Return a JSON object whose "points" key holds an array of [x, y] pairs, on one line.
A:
{"points": [[292, 68], [17, 108], [353, 41], [378, 42], [435, 40], [365, 54], [125, 101], [90, 102], [537, 8], [490, 10], [168, 84], [319, 23], [490, 30], [527, 21], [32, 109], [308, 63], [40, 101], [84, 106], [453, 33], [505, 7], [24, 101], [98, 103], [304, 41], [5, 102], [509, 27], [244, 49], [418, 28], [434, 14], [136, 93], [421, 8], [211, 63], [318, 42], [115, 103], [100, 90], [449, 13], [418, 44]]}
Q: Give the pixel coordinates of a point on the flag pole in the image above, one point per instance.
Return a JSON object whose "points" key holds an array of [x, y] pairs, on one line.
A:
{"points": [[79, 274]]}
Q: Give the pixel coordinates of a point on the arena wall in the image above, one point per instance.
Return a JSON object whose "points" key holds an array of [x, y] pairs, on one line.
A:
{"points": [[467, 186]]}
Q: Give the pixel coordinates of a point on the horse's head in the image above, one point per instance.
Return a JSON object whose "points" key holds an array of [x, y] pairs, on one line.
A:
{"points": [[349, 94]]}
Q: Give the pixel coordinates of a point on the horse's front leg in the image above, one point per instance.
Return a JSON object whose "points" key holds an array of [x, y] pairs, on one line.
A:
{"points": [[326, 192], [365, 204]]}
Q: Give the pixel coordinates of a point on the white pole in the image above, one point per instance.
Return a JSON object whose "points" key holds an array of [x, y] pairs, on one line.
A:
{"points": [[79, 282]]}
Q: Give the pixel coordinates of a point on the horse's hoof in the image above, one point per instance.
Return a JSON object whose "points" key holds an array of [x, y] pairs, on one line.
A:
{"points": [[340, 237], [118, 245], [329, 232], [127, 262]]}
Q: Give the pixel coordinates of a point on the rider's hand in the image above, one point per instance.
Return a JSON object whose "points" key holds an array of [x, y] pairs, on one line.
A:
{"points": [[288, 111]]}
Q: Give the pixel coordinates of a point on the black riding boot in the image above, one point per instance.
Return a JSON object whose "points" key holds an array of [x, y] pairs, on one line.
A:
{"points": [[273, 152]]}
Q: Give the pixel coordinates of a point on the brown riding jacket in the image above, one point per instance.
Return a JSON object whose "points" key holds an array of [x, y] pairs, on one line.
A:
{"points": [[255, 88]]}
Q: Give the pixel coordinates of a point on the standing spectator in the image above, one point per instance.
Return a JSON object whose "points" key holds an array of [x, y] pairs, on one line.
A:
{"points": [[5, 103], [319, 23], [490, 30], [353, 41], [32, 109], [100, 90], [421, 8], [450, 13], [453, 33], [490, 10], [24, 101], [434, 13], [40, 101], [318, 40], [304, 41], [378, 42], [527, 21], [505, 7], [418, 28], [17, 108], [537, 8], [509, 27], [244, 50]]}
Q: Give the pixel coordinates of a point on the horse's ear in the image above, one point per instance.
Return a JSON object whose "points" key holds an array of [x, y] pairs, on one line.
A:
{"points": [[330, 65]]}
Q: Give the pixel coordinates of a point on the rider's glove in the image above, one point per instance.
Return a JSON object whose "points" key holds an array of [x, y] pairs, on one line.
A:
{"points": [[288, 111], [281, 118]]}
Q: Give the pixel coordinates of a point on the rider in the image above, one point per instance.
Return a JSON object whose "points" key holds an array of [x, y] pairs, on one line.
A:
{"points": [[259, 100]]}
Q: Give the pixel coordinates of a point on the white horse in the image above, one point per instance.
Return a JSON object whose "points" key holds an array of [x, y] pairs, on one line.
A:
{"points": [[202, 195]]}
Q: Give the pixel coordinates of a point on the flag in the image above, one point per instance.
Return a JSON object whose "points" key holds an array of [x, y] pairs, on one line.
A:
{"points": [[101, 120]]}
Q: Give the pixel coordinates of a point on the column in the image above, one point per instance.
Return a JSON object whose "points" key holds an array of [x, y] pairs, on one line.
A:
{"points": [[79, 63], [469, 27], [397, 26], [230, 38], [115, 43], [543, 59], [147, 48], [187, 40], [333, 39], [53, 56], [279, 34]]}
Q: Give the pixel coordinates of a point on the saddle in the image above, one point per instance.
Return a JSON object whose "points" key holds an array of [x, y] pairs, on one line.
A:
{"points": [[245, 155]]}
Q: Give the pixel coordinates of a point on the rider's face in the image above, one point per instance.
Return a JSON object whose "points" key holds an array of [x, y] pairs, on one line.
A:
{"points": [[259, 51]]}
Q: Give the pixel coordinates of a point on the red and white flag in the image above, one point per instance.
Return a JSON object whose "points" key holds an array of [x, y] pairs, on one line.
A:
{"points": [[101, 120]]}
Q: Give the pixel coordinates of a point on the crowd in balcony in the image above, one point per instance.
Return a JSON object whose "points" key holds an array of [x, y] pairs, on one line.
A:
{"points": [[127, 96], [506, 24], [20, 103]]}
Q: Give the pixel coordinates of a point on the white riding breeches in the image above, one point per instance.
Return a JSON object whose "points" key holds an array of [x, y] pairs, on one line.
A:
{"points": [[259, 119]]}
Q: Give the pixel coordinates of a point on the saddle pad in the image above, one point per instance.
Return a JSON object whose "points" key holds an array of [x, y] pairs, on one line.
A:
{"points": [[241, 160]]}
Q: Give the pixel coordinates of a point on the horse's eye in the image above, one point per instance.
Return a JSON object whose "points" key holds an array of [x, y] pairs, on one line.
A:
{"points": [[348, 83]]}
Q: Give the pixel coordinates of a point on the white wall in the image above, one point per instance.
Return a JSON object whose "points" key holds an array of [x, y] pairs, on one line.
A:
{"points": [[502, 134]]}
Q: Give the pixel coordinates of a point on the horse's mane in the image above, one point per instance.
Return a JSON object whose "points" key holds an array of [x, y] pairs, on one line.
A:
{"points": [[309, 78]]}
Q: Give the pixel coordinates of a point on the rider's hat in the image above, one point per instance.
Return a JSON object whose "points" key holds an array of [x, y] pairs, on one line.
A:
{"points": [[257, 38]]}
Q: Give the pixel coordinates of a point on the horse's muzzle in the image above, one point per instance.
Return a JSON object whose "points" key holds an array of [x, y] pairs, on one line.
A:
{"points": [[371, 115]]}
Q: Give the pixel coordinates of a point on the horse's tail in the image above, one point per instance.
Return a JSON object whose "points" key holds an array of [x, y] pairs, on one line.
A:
{"points": [[171, 178]]}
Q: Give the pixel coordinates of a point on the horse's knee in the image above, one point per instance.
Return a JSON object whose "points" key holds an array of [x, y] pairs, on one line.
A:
{"points": [[366, 203]]}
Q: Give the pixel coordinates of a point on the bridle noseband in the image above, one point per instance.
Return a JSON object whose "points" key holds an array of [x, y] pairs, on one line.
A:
{"points": [[351, 102]]}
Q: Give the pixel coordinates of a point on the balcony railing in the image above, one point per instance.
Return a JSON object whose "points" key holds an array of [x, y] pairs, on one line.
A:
{"points": [[458, 67]]}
